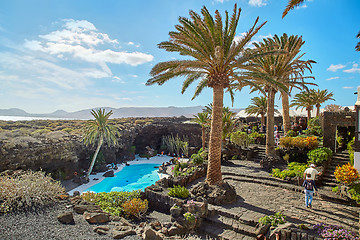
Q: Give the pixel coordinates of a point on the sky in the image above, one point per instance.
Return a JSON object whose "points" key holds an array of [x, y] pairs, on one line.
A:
{"points": [[74, 55]]}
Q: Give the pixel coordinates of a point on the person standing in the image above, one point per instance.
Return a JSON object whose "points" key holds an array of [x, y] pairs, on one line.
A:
{"points": [[309, 187], [312, 171]]}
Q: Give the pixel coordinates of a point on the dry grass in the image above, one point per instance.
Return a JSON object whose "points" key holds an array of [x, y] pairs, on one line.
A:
{"points": [[27, 190]]}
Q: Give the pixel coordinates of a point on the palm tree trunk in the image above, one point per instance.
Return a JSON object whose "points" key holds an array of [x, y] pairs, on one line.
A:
{"points": [[285, 111], [203, 137], [214, 165], [309, 114], [270, 142], [94, 158], [317, 110]]}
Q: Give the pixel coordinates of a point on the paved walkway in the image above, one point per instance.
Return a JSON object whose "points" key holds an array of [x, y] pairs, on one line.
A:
{"points": [[258, 199]]}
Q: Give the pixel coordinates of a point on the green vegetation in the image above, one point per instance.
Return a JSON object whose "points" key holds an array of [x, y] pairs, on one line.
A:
{"points": [[111, 202], [354, 191], [314, 127], [295, 169], [292, 133], [319, 155], [176, 145], [274, 220], [198, 158], [179, 191], [189, 217], [350, 148], [28, 190], [335, 189], [241, 139]]}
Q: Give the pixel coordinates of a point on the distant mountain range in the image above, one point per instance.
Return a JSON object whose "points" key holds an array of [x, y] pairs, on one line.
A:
{"points": [[117, 112]]}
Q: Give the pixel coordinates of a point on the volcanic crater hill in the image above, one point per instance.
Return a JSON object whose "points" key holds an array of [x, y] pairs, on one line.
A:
{"points": [[56, 146]]}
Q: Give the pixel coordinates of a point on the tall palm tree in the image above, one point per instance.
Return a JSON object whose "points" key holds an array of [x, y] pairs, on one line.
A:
{"points": [[258, 107], [294, 78], [304, 100], [320, 96], [282, 71], [99, 130], [216, 59], [203, 119]]}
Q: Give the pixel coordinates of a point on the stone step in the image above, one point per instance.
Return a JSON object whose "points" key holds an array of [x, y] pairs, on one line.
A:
{"points": [[250, 218], [231, 224], [218, 232], [328, 179]]}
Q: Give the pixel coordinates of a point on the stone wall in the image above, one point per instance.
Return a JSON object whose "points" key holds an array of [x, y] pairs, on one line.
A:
{"points": [[329, 123], [56, 151]]}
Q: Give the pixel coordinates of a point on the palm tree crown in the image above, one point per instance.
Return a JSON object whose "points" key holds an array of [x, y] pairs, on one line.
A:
{"points": [[304, 100], [99, 131], [291, 5], [216, 61], [320, 96]]}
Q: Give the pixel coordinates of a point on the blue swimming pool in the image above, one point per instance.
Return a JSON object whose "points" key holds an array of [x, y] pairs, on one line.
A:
{"points": [[133, 177]]}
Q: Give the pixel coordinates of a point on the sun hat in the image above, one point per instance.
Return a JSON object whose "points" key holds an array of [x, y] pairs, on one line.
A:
{"points": [[312, 165]]}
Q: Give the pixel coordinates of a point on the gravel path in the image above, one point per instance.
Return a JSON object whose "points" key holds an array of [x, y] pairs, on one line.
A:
{"points": [[44, 225]]}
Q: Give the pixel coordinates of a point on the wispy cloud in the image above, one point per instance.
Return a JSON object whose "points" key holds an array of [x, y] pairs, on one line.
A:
{"points": [[257, 3], [334, 68], [332, 78], [355, 68], [348, 87]]}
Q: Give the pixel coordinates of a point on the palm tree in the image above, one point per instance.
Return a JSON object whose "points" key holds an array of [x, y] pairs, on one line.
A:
{"points": [[320, 96], [258, 107], [304, 100], [282, 71], [100, 131], [203, 119], [291, 5], [216, 60]]}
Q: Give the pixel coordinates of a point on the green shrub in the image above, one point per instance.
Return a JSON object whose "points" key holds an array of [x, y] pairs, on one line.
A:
{"points": [[319, 155], [179, 191], [314, 127], [111, 202], [41, 131], [256, 135], [241, 139], [295, 169], [292, 133], [189, 217], [350, 147], [197, 159], [335, 189], [67, 129], [274, 220], [354, 191], [28, 190]]}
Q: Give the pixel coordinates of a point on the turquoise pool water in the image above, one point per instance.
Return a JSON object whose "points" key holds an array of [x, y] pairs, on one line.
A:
{"points": [[133, 177]]}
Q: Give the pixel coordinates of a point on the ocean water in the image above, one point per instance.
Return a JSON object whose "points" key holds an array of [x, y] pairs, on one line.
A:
{"points": [[133, 177]]}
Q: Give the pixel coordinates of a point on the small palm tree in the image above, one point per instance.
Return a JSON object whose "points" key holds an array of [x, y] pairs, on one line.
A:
{"points": [[202, 118], [216, 59], [99, 131], [304, 100], [258, 107], [320, 96]]}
